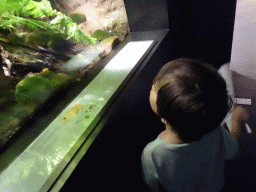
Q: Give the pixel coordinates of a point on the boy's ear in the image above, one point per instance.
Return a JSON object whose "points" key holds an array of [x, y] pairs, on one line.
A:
{"points": [[163, 121]]}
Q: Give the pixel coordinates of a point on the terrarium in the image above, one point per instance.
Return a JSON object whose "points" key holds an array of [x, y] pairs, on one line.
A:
{"points": [[48, 47]]}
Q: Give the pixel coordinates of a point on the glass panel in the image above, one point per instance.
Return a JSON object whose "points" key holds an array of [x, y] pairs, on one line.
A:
{"points": [[48, 47], [39, 165]]}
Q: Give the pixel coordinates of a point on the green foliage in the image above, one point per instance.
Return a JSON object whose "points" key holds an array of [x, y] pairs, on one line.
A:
{"points": [[77, 17], [34, 89], [32, 16], [100, 35]]}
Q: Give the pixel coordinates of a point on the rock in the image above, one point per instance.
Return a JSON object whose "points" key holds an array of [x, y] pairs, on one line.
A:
{"points": [[6, 63], [8, 82], [23, 70], [31, 74], [63, 6], [84, 70], [100, 14], [38, 66], [7, 67]]}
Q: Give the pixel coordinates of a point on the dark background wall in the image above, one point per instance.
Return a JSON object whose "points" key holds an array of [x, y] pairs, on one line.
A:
{"points": [[202, 29], [147, 15], [198, 28]]}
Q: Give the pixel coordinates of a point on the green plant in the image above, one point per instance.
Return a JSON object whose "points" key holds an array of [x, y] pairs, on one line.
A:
{"points": [[31, 16], [100, 35]]}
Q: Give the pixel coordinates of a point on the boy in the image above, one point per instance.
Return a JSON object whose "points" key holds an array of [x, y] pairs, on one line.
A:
{"points": [[192, 101]]}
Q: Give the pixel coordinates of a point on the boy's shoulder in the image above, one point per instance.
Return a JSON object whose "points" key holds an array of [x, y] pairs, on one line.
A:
{"points": [[153, 148], [152, 145], [158, 145]]}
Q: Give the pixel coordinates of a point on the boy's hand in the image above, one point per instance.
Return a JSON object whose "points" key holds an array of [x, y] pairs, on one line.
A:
{"points": [[240, 113]]}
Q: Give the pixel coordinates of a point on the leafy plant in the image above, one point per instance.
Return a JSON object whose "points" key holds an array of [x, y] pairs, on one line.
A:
{"points": [[31, 16]]}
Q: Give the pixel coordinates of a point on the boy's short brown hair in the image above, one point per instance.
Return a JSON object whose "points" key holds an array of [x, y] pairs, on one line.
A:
{"points": [[192, 97]]}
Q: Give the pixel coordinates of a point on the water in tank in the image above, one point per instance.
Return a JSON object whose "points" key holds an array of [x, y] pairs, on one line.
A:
{"points": [[47, 46]]}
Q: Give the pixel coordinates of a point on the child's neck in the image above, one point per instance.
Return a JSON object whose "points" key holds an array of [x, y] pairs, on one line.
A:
{"points": [[169, 136]]}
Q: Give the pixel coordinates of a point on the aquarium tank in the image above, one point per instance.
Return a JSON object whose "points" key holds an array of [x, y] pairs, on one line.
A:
{"points": [[48, 47]]}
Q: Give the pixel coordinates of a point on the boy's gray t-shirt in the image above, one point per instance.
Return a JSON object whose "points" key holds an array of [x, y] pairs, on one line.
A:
{"points": [[197, 166]]}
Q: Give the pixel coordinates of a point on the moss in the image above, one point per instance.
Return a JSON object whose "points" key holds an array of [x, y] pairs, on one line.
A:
{"points": [[13, 122], [62, 79], [6, 96], [47, 74], [100, 35], [56, 41], [14, 38], [33, 39], [7, 123], [111, 41], [77, 18], [50, 39], [57, 79], [22, 111], [33, 89]]}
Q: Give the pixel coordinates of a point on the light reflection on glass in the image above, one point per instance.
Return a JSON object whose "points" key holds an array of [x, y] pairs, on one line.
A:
{"points": [[118, 62]]}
